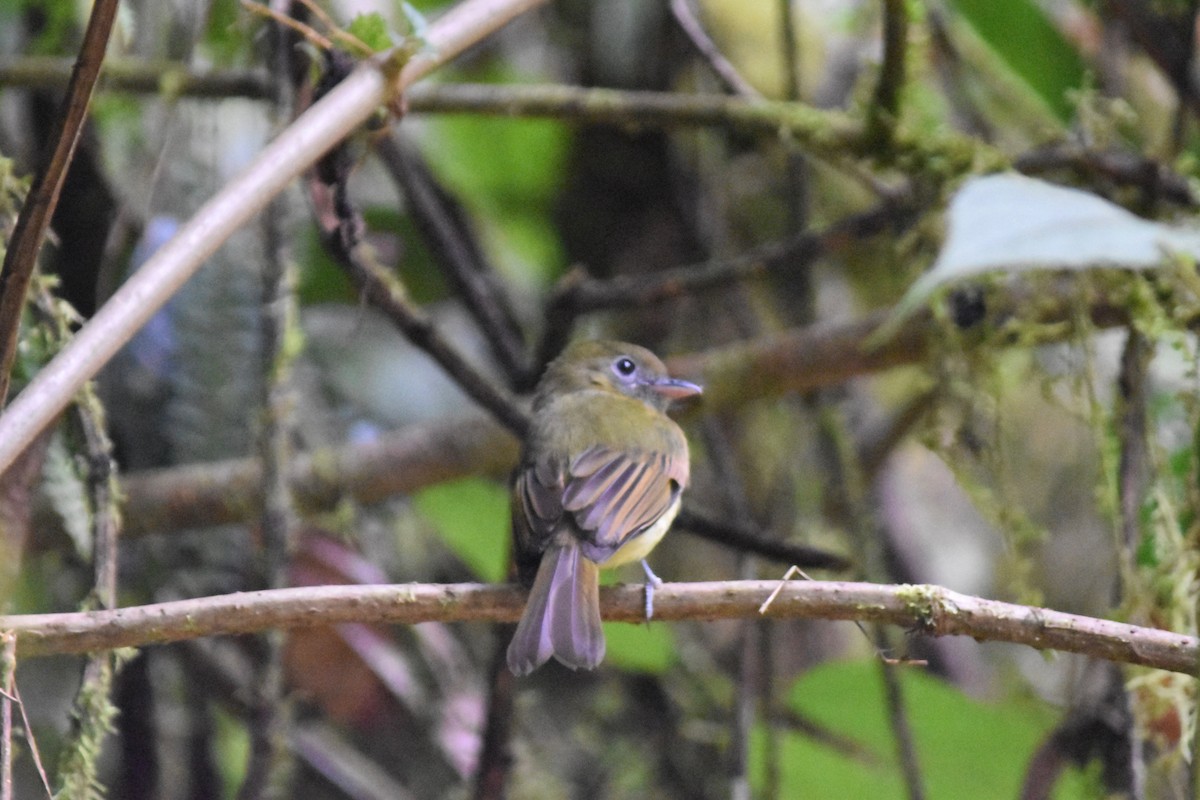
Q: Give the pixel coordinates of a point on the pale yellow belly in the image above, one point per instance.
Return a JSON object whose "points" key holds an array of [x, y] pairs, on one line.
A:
{"points": [[640, 546]]}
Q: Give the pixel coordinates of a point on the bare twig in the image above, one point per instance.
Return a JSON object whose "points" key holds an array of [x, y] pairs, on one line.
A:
{"points": [[579, 294], [495, 755], [173, 78], [341, 225], [884, 111], [20, 260], [309, 34], [725, 71], [269, 713], [383, 290], [8, 672], [1122, 167], [748, 539], [445, 228], [331, 755], [302, 143], [1134, 466], [827, 133], [906, 750]]}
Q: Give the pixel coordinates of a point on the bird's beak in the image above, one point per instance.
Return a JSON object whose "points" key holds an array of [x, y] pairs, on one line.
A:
{"points": [[675, 389]]}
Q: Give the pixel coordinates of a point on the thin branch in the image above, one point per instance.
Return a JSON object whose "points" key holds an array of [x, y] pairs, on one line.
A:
{"points": [[931, 610], [725, 71], [269, 715], [341, 224], [831, 134], [748, 539], [578, 294], [645, 109], [884, 111], [754, 662], [495, 749], [906, 750], [1133, 470], [20, 260], [293, 151], [331, 755], [8, 671], [170, 78], [447, 231], [341, 227]]}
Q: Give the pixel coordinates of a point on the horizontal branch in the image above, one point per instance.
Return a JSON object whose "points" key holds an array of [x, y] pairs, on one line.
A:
{"points": [[171, 78], [397, 463], [931, 610], [824, 131]]}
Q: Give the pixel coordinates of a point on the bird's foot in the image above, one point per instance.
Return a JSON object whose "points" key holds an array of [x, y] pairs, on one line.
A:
{"points": [[652, 583]]}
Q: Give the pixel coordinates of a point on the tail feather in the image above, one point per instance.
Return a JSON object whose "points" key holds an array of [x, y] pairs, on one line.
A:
{"points": [[562, 617]]}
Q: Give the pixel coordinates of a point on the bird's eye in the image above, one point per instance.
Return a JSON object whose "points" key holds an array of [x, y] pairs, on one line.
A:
{"points": [[624, 367]]}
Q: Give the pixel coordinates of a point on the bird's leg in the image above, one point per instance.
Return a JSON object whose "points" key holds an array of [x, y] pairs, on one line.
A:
{"points": [[652, 582]]}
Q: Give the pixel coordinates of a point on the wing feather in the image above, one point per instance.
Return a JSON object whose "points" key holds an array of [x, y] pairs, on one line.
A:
{"points": [[613, 496]]}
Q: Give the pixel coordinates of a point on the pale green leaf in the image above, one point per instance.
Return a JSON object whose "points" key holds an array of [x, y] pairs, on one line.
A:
{"points": [[471, 515]]}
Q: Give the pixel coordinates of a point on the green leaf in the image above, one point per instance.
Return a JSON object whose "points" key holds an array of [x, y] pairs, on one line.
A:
{"points": [[67, 492], [372, 30], [226, 38], [1008, 222], [640, 648], [966, 748], [472, 517], [507, 173], [1019, 32]]}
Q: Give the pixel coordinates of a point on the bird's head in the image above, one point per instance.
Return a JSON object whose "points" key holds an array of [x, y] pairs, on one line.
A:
{"points": [[614, 367]]}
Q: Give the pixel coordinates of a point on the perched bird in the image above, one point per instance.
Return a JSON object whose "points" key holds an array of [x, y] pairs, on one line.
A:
{"points": [[601, 473]]}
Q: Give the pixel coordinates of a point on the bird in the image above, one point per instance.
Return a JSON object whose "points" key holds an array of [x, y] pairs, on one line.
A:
{"points": [[599, 482]]}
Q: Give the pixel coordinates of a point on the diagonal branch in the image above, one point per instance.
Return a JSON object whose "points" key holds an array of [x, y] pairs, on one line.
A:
{"points": [[930, 610], [293, 151], [34, 219]]}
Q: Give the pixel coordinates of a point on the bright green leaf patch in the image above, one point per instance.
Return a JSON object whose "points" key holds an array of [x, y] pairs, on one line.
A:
{"points": [[966, 748], [472, 517], [1032, 47], [641, 648], [507, 172], [372, 30]]}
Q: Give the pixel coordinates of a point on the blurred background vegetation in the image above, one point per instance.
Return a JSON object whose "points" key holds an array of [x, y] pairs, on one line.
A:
{"points": [[1031, 438]]}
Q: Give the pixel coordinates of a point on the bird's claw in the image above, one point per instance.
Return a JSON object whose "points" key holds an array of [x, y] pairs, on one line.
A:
{"points": [[652, 583]]}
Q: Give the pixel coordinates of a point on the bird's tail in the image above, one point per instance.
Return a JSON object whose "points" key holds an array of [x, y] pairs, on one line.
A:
{"points": [[562, 617]]}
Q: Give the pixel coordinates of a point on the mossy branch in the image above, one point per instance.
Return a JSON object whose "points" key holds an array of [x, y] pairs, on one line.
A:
{"points": [[929, 610]]}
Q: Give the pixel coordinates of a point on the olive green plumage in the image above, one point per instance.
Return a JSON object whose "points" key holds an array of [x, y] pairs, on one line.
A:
{"points": [[599, 482]]}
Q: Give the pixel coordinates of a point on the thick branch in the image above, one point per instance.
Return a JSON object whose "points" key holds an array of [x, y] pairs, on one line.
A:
{"points": [[398, 463], [931, 610]]}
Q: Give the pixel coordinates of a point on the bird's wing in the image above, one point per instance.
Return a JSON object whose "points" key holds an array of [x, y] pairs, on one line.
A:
{"points": [[614, 495]]}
